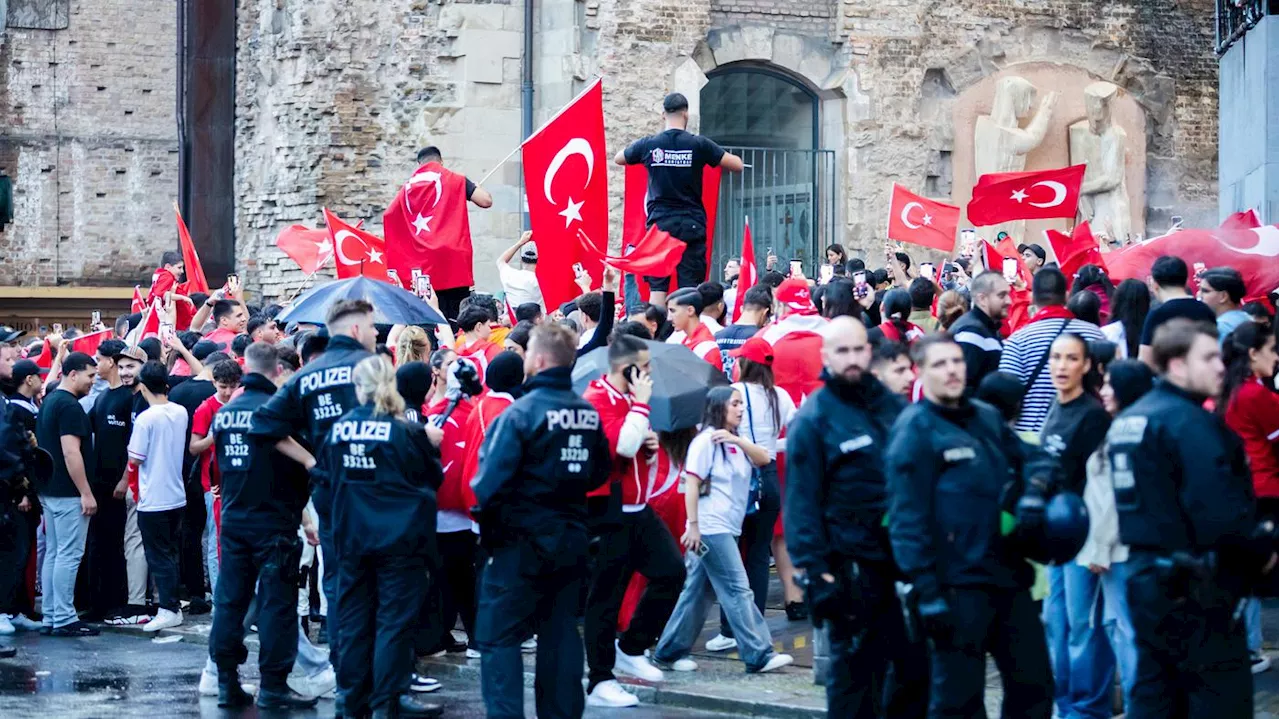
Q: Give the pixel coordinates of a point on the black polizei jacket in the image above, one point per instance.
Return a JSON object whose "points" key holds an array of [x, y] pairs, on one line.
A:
{"points": [[836, 497]]}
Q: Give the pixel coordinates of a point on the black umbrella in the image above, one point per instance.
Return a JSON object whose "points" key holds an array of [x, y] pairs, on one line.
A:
{"points": [[391, 304], [681, 380]]}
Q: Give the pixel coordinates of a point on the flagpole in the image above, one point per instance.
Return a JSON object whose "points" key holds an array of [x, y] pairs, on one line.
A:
{"points": [[599, 78], [501, 162], [307, 280]]}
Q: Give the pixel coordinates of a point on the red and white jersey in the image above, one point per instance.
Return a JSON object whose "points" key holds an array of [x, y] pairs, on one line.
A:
{"points": [[479, 353], [703, 344], [624, 422], [797, 353], [454, 445]]}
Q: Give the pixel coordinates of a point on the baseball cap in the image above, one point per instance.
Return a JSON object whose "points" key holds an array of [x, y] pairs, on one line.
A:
{"points": [[23, 369], [756, 349], [9, 334], [204, 348], [134, 353], [529, 253], [794, 294]]}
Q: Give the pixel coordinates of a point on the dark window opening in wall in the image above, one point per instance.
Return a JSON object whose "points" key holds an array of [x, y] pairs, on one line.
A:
{"points": [[788, 187], [36, 14]]}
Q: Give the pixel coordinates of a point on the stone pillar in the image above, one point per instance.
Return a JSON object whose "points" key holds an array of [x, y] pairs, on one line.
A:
{"points": [[1249, 123]]}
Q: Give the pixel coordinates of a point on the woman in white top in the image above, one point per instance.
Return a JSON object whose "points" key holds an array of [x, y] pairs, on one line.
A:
{"points": [[717, 479], [1130, 303]]}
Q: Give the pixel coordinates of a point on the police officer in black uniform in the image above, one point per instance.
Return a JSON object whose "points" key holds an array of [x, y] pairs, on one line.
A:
{"points": [[538, 461], [953, 468], [384, 474], [835, 532], [1185, 502], [674, 159], [263, 493], [308, 405]]}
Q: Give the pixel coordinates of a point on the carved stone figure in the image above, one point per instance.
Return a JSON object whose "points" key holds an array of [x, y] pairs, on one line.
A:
{"points": [[1100, 144], [1001, 144]]}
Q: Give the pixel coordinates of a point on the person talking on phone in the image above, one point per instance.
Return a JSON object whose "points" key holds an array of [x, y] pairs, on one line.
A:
{"points": [[836, 505], [717, 485], [632, 537]]}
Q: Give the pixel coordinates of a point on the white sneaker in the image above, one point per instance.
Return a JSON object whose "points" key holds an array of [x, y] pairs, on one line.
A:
{"points": [[209, 684], [473, 653], [164, 620], [638, 667], [530, 644], [314, 685], [6, 626], [684, 665], [721, 643], [777, 662], [21, 621], [611, 694], [1258, 663]]}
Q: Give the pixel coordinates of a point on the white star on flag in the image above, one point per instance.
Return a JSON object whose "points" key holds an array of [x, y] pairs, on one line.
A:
{"points": [[571, 212], [1019, 195], [324, 248], [928, 219], [422, 224], [375, 256]]}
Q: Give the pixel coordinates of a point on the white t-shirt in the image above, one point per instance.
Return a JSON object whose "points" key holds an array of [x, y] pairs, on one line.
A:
{"points": [[1114, 332], [728, 470], [158, 442], [761, 417], [521, 286]]}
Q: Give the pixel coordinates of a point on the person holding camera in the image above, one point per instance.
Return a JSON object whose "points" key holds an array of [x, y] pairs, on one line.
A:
{"points": [[632, 537], [952, 467], [836, 503]]}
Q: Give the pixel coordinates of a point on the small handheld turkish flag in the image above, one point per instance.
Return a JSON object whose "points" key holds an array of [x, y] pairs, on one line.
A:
{"points": [[748, 274], [311, 249], [922, 221], [656, 256], [1076, 251], [1037, 195], [357, 252], [564, 172], [138, 304], [89, 343]]}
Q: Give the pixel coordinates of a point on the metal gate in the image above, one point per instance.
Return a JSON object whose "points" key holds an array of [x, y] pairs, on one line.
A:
{"points": [[789, 196]]}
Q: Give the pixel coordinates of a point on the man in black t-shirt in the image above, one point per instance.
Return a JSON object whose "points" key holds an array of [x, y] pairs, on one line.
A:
{"points": [[106, 585], [675, 159], [1169, 275], [756, 304]]}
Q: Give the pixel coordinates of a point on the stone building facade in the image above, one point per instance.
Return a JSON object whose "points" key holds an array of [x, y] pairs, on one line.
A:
{"points": [[334, 97]]}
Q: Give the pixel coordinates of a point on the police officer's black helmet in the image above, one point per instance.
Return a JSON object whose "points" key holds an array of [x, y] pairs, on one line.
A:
{"points": [[1059, 539]]}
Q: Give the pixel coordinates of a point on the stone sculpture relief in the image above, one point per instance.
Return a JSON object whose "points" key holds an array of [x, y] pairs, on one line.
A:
{"points": [[1100, 144]]}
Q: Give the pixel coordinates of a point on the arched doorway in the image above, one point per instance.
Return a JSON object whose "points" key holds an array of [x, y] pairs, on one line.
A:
{"points": [[770, 119]]}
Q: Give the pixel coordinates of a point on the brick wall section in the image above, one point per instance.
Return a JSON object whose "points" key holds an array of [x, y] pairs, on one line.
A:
{"points": [[87, 133], [807, 17]]}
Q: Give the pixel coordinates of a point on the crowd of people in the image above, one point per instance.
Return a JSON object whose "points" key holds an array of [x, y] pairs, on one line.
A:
{"points": [[913, 449]]}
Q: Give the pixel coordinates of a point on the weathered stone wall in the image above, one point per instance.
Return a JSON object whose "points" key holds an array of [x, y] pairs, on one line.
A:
{"points": [[806, 17], [87, 133]]}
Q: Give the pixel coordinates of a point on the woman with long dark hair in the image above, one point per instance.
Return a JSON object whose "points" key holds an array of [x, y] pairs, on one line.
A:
{"points": [[717, 478], [837, 256], [1130, 303], [1250, 407], [895, 308]]}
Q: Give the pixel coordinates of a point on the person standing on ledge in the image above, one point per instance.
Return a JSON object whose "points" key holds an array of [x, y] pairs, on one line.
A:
{"points": [[675, 158]]}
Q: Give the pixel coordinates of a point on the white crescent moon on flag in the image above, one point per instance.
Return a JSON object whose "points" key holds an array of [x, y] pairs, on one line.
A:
{"points": [[339, 238], [1059, 193], [576, 146], [906, 210], [1268, 244], [429, 176]]}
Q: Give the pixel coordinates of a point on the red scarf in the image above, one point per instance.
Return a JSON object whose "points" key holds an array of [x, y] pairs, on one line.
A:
{"points": [[1053, 312]]}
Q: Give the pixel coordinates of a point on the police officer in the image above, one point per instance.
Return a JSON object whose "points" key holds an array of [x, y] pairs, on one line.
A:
{"points": [[835, 532], [952, 466], [263, 493], [384, 474], [539, 460], [308, 405], [1185, 503]]}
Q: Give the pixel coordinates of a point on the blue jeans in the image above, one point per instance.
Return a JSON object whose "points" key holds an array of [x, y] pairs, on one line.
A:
{"points": [[1091, 663], [719, 569], [1054, 616], [1119, 623], [65, 530], [210, 544], [1253, 624]]}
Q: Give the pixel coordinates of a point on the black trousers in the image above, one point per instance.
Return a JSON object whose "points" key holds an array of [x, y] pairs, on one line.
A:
{"points": [[257, 563], [875, 671], [1193, 659], [107, 580], [1005, 624], [452, 594], [161, 537], [379, 597], [191, 559], [757, 541], [15, 548], [692, 270], [638, 542], [522, 593]]}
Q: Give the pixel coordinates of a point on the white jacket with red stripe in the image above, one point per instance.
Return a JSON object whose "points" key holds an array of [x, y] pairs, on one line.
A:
{"points": [[625, 423]]}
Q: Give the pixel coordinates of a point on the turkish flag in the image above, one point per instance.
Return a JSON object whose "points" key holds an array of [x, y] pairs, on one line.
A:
{"points": [[1076, 251], [427, 228], [190, 260], [44, 360], [311, 249], [1252, 252], [88, 344], [1041, 194], [564, 178], [1246, 220], [922, 221], [148, 327], [137, 304], [635, 213], [748, 275], [357, 252], [657, 254]]}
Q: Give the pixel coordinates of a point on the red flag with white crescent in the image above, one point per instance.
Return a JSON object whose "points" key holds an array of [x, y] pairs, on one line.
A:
{"points": [[356, 252], [564, 176], [1253, 252], [922, 221], [1037, 195], [427, 228], [305, 246], [747, 276]]}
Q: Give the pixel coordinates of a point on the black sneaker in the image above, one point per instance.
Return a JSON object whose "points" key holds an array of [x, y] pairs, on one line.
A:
{"points": [[281, 700], [199, 606], [797, 611], [231, 694], [408, 706], [8, 652]]}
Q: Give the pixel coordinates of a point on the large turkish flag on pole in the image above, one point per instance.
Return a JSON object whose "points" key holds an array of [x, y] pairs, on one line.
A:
{"points": [[427, 227], [922, 221], [357, 252], [1038, 195], [564, 178]]}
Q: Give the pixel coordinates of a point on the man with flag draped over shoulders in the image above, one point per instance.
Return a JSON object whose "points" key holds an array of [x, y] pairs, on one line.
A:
{"points": [[427, 228]]}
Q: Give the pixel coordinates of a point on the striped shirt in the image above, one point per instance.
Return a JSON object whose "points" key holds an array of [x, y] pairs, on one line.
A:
{"points": [[1023, 352]]}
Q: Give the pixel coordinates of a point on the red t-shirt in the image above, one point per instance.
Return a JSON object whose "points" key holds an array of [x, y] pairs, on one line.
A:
{"points": [[222, 335], [201, 424], [1254, 413], [703, 344]]}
